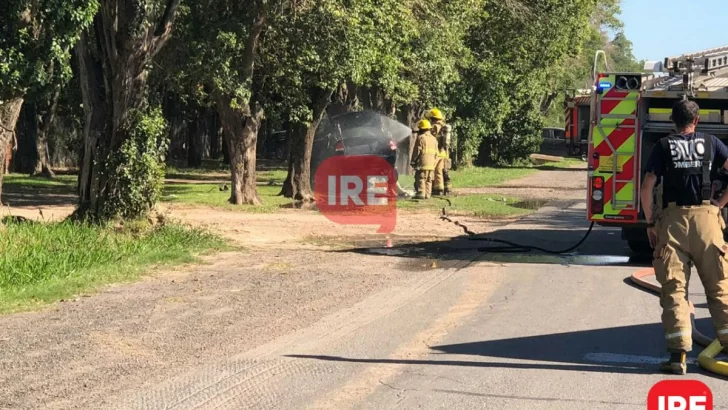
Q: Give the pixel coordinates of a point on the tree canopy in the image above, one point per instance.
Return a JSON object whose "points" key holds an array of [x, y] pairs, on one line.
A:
{"points": [[497, 69]]}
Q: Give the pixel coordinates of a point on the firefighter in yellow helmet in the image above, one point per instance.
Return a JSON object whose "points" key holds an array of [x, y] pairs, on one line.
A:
{"points": [[441, 131], [423, 160]]}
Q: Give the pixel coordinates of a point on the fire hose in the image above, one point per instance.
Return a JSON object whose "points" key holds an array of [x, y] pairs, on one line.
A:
{"points": [[706, 358], [510, 247]]}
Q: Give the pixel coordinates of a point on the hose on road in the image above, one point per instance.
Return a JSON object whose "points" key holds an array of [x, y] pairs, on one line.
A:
{"points": [[510, 247], [706, 358]]}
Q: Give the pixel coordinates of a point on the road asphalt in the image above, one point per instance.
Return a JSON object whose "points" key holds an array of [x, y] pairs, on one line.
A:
{"points": [[483, 330]]}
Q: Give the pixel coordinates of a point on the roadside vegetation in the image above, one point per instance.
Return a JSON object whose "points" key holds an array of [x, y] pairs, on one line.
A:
{"points": [[209, 87], [46, 262], [207, 187]]}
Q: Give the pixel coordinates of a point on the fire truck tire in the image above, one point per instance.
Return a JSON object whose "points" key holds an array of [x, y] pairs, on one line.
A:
{"points": [[639, 247]]}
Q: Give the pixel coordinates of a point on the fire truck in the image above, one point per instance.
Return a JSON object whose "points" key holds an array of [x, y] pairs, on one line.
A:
{"points": [[577, 114], [630, 112]]}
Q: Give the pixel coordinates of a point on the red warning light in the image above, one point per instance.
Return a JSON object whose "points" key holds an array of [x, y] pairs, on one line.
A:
{"points": [[598, 183]]}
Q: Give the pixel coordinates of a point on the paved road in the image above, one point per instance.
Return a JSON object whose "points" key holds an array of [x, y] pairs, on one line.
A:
{"points": [[482, 331]]}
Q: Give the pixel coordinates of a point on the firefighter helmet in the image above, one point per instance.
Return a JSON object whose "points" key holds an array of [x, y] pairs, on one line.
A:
{"points": [[424, 125], [436, 114]]}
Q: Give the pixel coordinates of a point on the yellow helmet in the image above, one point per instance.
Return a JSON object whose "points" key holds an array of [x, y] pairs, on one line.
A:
{"points": [[436, 114], [424, 125]]}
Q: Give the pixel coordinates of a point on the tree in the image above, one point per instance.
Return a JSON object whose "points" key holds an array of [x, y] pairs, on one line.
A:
{"points": [[124, 146], [306, 54], [35, 42], [213, 61], [576, 71], [509, 74]]}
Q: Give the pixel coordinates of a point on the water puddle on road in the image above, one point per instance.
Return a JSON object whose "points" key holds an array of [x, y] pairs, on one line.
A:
{"points": [[574, 259], [533, 204]]}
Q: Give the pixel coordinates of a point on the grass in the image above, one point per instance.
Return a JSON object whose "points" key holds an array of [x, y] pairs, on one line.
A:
{"points": [[204, 185], [210, 195], [23, 184], [46, 262], [478, 205], [217, 171], [479, 177]]}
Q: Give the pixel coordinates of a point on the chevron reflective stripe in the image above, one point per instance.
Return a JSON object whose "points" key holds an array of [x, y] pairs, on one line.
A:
{"points": [[614, 142]]}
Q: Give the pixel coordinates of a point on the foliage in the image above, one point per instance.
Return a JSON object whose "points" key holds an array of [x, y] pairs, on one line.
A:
{"points": [[576, 71], [137, 169], [512, 80], [46, 262], [35, 37], [304, 53]]}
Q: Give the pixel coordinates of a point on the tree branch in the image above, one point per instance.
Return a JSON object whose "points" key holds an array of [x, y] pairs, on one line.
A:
{"points": [[165, 24], [251, 45], [164, 28], [260, 113]]}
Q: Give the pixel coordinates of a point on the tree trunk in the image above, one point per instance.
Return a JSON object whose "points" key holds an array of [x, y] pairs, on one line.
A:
{"points": [[9, 113], [240, 125], [408, 115], [345, 100], [241, 137], [225, 151], [215, 134], [547, 101], [366, 98], [45, 114], [194, 143], [113, 61], [298, 182]]}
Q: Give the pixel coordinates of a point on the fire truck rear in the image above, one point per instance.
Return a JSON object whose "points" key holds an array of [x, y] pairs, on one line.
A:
{"points": [[630, 112]]}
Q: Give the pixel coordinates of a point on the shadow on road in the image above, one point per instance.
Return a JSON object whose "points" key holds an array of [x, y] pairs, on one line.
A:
{"points": [[602, 248], [554, 230], [628, 349]]}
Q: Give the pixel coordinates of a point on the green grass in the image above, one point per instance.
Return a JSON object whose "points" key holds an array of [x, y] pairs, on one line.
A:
{"points": [[204, 185], [479, 205], [46, 262], [210, 172], [23, 184], [478, 177], [210, 195]]}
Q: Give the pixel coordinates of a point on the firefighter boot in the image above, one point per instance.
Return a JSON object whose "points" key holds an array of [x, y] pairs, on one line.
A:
{"points": [[676, 365]]}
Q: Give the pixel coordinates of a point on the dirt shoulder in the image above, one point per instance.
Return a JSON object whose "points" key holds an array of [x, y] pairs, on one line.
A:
{"points": [[544, 185], [290, 274], [75, 354]]}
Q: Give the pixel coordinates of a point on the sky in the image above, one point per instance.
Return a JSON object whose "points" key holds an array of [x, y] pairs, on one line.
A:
{"points": [[667, 28]]}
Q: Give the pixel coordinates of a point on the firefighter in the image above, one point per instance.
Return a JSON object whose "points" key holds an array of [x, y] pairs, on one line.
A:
{"points": [[441, 131], [688, 229], [423, 159]]}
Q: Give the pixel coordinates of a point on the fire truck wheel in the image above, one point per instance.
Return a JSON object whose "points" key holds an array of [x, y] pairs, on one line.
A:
{"points": [[640, 247]]}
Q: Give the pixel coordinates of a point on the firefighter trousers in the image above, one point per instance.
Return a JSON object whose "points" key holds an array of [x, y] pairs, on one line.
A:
{"points": [[690, 236], [441, 180], [423, 183]]}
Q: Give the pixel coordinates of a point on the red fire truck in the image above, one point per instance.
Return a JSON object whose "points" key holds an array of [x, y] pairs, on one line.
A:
{"points": [[630, 112], [577, 114]]}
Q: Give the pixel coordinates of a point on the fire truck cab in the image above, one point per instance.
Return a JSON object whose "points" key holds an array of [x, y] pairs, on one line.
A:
{"points": [[630, 112]]}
